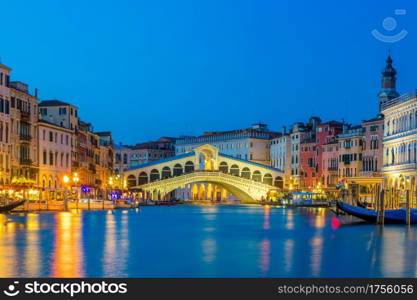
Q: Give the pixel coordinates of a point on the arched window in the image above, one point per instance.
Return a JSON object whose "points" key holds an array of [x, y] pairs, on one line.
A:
{"points": [[234, 170], [245, 173], [189, 167], [143, 178], [177, 170], [279, 182], [131, 181], [267, 179], [154, 175], [257, 176], [223, 167], [166, 172]]}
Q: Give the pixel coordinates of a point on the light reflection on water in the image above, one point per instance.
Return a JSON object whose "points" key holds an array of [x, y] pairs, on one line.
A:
{"points": [[206, 241]]}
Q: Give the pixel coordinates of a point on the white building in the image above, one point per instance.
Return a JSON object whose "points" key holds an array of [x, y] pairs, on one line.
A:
{"points": [[247, 144], [400, 147], [280, 154], [54, 157]]}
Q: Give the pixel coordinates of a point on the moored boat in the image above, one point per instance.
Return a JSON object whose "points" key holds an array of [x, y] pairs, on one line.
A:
{"points": [[10, 206], [391, 216]]}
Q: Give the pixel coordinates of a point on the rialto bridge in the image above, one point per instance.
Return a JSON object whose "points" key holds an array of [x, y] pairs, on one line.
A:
{"points": [[205, 174]]}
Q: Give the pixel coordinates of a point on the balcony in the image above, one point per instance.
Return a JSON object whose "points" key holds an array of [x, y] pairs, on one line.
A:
{"points": [[25, 115], [25, 162], [25, 137]]}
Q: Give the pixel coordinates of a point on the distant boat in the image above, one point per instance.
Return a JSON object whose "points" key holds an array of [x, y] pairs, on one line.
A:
{"points": [[391, 216], [10, 206]]}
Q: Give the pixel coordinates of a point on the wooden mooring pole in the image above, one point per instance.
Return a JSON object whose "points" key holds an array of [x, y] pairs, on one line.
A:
{"points": [[381, 211], [408, 216]]}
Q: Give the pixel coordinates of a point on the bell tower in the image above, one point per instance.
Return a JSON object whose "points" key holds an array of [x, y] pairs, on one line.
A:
{"points": [[388, 84]]}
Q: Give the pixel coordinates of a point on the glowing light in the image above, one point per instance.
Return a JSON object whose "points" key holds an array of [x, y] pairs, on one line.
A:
{"points": [[66, 179]]}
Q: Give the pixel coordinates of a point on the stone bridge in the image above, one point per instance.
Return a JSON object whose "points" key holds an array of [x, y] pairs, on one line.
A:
{"points": [[245, 189], [244, 179]]}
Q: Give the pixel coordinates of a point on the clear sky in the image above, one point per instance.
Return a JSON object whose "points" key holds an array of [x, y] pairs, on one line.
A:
{"points": [[145, 69]]}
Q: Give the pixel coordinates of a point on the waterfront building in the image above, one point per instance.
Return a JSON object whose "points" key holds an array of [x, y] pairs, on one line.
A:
{"points": [[326, 136], [5, 142], [330, 158], [64, 115], [350, 151], [247, 144], [54, 158], [373, 134], [23, 135], [400, 148], [300, 133], [280, 154], [126, 157], [308, 163], [106, 162]]}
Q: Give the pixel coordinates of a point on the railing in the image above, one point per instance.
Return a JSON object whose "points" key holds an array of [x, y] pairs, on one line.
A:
{"points": [[206, 173], [25, 162], [25, 115], [403, 98], [25, 137]]}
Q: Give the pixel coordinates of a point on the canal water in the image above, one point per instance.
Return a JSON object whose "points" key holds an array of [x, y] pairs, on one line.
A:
{"points": [[203, 241]]}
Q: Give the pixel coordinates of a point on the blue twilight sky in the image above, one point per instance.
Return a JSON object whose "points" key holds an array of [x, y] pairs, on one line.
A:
{"points": [[145, 69]]}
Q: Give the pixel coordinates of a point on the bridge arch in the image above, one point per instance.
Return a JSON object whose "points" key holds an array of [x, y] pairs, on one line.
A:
{"points": [[166, 172], [154, 175], [131, 180], [257, 176], [234, 170], [224, 167], [143, 178], [245, 173], [267, 179], [279, 182], [177, 171], [189, 167], [235, 191]]}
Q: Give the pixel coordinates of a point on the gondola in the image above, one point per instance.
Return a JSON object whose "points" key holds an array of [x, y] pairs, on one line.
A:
{"points": [[391, 216], [10, 206]]}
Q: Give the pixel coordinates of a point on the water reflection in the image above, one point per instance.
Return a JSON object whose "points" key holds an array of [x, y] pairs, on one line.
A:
{"points": [[209, 248], [116, 244], [191, 241], [8, 251], [267, 212], [288, 255], [68, 251], [32, 251], [265, 256]]}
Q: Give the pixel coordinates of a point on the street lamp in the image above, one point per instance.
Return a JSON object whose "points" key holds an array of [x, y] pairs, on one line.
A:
{"points": [[66, 180]]}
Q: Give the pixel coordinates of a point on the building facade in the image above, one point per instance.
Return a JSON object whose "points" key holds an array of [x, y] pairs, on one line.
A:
{"points": [[400, 147], [54, 158], [372, 153], [5, 141], [126, 157], [247, 144], [350, 152]]}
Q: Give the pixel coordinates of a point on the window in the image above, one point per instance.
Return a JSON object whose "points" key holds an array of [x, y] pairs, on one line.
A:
{"points": [[62, 111], [51, 158], [44, 111], [7, 107], [1, 105], [44, 158], [51, 136]]}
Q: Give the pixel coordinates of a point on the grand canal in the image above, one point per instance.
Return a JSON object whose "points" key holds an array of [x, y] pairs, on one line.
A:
{"points": [[203, 241]]}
